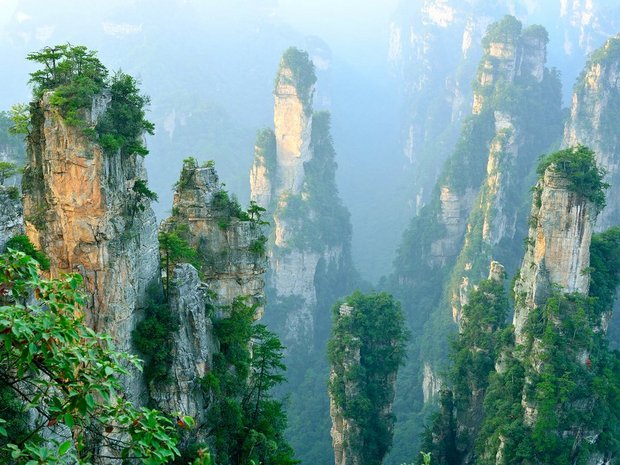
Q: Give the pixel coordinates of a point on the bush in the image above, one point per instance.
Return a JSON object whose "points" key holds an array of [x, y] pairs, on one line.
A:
{"points": [[23, 244]]}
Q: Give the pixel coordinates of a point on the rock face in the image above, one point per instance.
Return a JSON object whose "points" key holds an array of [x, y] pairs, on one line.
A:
{"points": [[475, 213], [558, 249], [293, 178], [81, 209], [11, 214], [231, 245], [592, 123], [346, 434], [231, 261], [193, 348], [365, 351], [293, 126]]}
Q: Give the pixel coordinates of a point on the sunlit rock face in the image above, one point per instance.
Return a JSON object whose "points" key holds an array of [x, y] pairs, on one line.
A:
{"points": [[11, 215], [81, 210], [293, 125], [593, 122], [558, 249], [299, 258]]}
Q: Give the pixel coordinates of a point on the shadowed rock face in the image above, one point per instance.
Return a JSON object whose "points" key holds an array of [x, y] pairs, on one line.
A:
{"points": [[81, 210], [230, 267], [11, 216], [593, 122], [558, 249]]}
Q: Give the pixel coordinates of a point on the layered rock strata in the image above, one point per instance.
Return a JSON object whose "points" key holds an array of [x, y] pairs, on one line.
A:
{"points": [[558, 246], [81, 209]]}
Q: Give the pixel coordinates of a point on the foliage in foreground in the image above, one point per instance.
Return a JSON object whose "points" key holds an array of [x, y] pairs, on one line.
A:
{"points": [[53, 366]]}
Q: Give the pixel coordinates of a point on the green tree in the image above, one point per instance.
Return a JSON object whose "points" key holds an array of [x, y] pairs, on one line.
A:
{"points": [[7, 169], [174, 250], [20, 116], [245, 423], [22, 243], [66, 376], [372, 326]]}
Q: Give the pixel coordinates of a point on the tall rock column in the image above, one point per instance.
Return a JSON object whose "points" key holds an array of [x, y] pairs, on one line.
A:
{"points": [[365, 350], [293, 178], [593, 121], [558, 244], [230, 264], [83, 209]]}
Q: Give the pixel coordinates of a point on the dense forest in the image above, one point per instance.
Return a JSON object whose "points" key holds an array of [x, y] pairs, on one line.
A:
{"points": [[417, 259]]}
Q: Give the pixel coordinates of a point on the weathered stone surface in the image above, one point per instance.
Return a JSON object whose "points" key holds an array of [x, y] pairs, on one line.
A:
{"points": [[230, 254], [558, 249], [81, 210], [293, 126], [11, 215], [194, 346], [592, 123]]}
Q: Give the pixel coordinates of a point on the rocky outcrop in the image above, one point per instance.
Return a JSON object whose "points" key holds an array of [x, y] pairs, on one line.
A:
{"points": [[593, 120], [346, 433], [294, 168], [81, 209], [194, 346], [231, 263], [558, 246], [11, 214], [365, 351], [293, 126], [230, 244]]}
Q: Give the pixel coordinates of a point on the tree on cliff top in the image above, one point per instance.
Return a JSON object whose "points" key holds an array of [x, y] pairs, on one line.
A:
{"points": [[578, 165], [303, 75], [76, 76]]}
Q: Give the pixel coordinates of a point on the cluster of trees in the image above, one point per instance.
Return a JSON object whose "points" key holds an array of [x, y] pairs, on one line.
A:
{"points": [[75, 76], [60, 379], [366, 348]]}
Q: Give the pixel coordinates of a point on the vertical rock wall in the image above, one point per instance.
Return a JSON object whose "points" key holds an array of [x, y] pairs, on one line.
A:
{"points": [[11, 215], [81, 210], [593, 121], [558, 246]]}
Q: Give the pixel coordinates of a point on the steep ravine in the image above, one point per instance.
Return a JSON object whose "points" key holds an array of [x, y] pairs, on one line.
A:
{"points": [[476, 212]]}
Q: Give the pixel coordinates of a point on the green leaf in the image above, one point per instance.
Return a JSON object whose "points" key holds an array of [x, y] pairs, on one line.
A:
{"points": [[64, 447], [69, 420], [90, 401]]}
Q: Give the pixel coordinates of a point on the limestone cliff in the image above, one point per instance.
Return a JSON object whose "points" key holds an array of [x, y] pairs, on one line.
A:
{"points": [[475, 212], [547, 377], [230, 264], [523, 130], [365, 350], [293, 178], [593, 120], [558, 246], [82, 208], [434, 48], [346, 433], [310, 264], [230, 244], [193, 348]]}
